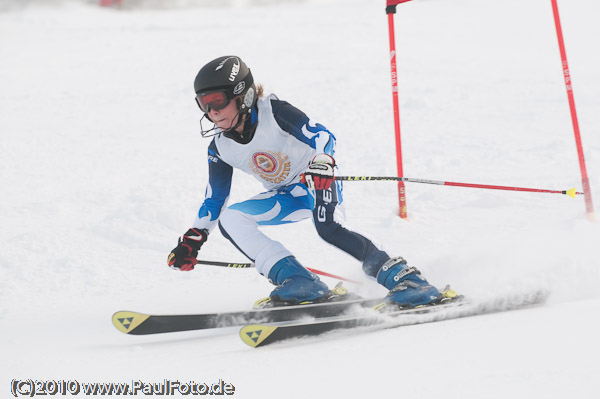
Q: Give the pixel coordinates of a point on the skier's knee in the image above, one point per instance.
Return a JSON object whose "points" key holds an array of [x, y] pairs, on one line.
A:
{"points": [[234, 224], [230, 219]]}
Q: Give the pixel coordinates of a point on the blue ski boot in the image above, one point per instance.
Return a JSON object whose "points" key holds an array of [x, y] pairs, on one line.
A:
{"points": [[407, 287], [294, 283]]}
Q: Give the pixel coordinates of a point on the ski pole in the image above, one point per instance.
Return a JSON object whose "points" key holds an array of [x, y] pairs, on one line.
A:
{"points": [[247, 265], [571, 192]]}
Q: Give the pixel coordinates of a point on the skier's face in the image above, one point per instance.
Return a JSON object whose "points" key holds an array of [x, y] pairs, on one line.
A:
{"points": [[227, 117]]}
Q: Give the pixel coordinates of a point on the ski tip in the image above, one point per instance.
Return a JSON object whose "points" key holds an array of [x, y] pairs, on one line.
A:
{"points": [[571, 193], [255, 334], [126, 321]]}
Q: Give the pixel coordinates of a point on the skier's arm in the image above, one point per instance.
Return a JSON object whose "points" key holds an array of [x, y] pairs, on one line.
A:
{"points": [[183, 256], [296, 123], [217, 190]]}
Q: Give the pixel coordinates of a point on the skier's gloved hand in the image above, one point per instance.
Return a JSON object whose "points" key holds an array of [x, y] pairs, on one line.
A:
{"points": [[319, 174], [183, 256]]}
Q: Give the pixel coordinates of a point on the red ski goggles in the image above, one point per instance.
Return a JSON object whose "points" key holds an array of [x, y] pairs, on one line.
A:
{"points": [[214, 99]]}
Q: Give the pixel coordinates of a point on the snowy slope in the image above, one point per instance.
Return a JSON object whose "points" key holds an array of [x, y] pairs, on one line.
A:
{"points": [[102, 167]]}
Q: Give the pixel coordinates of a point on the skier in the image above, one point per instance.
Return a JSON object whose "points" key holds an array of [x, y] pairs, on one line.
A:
{"points": [[294, 159]]}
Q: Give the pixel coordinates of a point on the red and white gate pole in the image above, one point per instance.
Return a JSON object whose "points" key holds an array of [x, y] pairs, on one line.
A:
{"points": [[589, 205], [390, 11]]}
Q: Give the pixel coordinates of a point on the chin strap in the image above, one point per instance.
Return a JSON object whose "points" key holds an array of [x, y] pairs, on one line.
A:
{"points": [[247, 133]]}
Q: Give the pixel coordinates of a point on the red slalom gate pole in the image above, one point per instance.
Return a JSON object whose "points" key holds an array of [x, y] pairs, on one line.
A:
{"points": [[390, 11], [589, 205]]}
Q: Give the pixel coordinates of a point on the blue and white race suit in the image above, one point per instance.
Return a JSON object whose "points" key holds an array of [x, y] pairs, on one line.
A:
{"points": [[284, 142]]}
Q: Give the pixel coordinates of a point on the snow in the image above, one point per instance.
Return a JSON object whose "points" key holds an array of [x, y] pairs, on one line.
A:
{"points": [[102, 168]]}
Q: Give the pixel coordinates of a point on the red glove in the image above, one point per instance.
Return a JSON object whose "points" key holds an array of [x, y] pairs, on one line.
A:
{"points": [[183, 256], [319, 174]]}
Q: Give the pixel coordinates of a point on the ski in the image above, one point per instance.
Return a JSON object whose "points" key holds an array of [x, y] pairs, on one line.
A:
{"points": [[256, 335], [134, 323]]}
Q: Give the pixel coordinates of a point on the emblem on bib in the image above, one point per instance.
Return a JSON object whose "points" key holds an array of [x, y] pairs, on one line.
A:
{"points": [[273, 167]]}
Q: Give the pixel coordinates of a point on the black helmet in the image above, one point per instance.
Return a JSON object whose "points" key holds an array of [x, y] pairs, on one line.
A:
{"points": [[230, 75]]}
